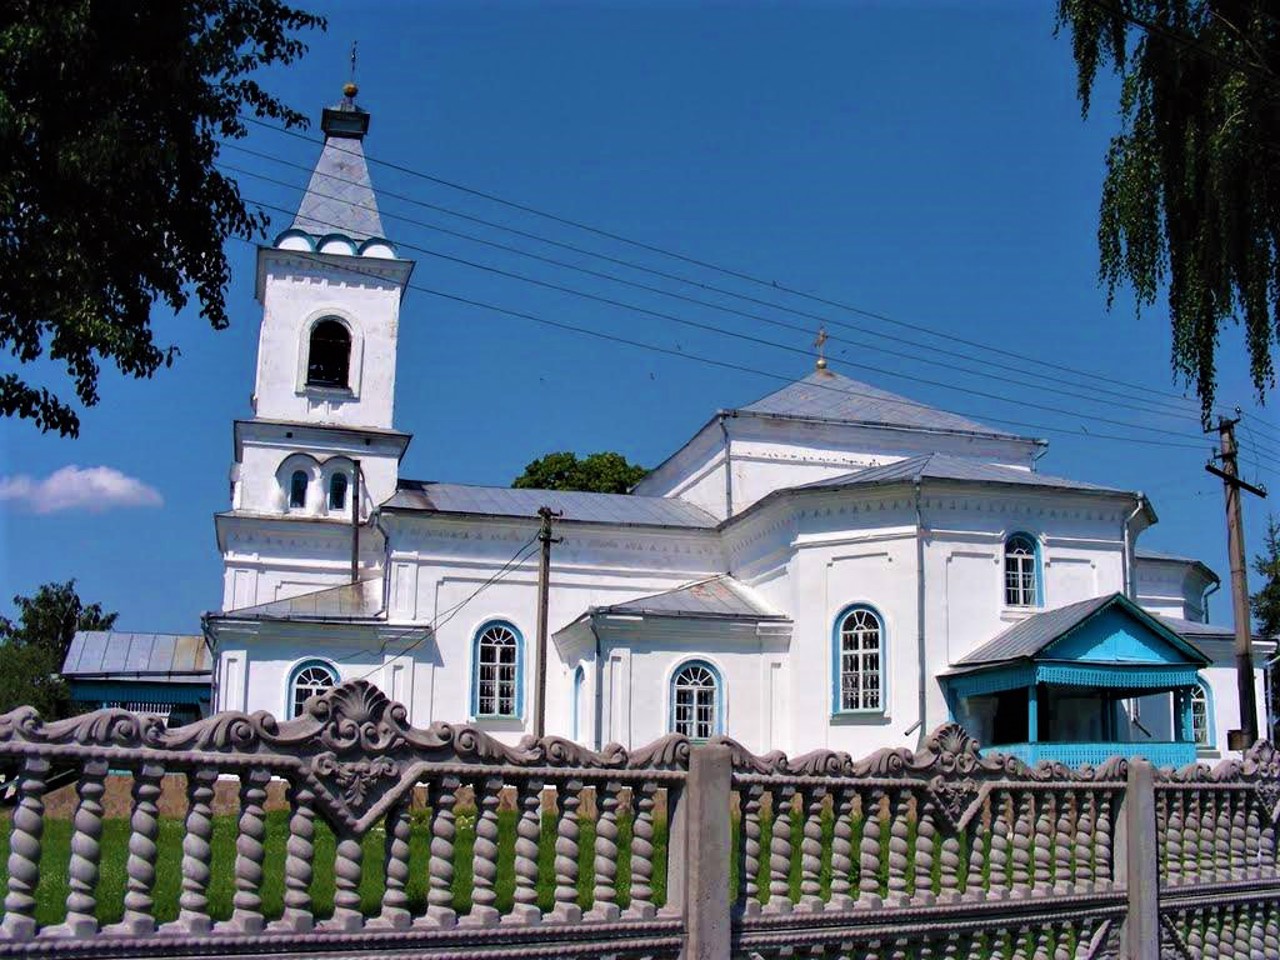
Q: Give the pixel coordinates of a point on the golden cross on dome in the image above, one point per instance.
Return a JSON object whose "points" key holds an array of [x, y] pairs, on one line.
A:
{"points": [[820, 342]]}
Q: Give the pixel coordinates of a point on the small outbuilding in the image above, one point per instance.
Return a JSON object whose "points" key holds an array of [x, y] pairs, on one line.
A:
{"points": [[162, 673]]}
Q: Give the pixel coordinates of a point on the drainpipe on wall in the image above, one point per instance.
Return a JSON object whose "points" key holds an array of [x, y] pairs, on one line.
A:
{"points": [[213, 662], [922, 668], [1204, 600], [728, 468], [598, 733], [1129, 589]]}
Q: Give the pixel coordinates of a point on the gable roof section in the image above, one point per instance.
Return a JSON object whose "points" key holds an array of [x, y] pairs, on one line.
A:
{"points": [[824, 395], [1033, 636], [348, 601], [611, 508], [114, 653], [720, 597], [942, 466]]}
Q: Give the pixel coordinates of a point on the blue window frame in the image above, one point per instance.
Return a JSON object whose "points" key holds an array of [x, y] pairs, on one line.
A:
{"points": [[1023, 574], [858, 661], [697, 701], [497, 677], [306, 680], [579, 677], [1202, 715]]}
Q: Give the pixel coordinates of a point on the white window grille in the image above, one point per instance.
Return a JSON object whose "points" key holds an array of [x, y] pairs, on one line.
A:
{"points": [[1200, 716], [497, 667], [861, 661], [695, 707], [1020, 572], [307, 682]]}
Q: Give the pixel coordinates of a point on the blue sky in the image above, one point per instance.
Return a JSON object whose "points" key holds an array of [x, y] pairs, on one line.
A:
{"points": [[924, 161]]}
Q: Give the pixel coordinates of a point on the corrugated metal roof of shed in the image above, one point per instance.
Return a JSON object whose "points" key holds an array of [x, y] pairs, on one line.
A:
{"points": [[104, 652], [618, 508]]}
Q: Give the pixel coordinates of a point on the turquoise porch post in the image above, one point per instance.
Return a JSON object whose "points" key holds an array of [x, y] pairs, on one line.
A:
{"points": [[1033, 713]]}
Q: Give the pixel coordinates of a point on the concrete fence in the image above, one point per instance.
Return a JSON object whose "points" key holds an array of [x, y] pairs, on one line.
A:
{"points": [[443, 842]]}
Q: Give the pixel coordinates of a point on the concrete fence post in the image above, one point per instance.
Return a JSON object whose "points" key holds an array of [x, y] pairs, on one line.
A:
{"points": [[1137, 863], [706, 852]]}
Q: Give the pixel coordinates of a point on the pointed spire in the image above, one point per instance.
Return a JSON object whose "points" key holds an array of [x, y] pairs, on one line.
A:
{"points": [[340, 198]]}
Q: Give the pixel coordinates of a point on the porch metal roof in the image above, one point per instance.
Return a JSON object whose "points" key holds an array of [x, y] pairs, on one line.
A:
{"points": [[717, 597]]}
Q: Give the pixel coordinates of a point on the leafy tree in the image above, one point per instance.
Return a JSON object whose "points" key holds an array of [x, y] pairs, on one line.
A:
{"points": [[1191, 199], [1266, 602], [597, 473], [33, 649], [111, 117]]}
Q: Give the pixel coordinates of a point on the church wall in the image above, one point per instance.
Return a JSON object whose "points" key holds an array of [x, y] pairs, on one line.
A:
{"points": [[696, 473], [269, 457], [297, 293], [1174, 589]]}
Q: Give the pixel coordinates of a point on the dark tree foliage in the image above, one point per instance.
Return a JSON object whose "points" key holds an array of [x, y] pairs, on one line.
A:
{"points": [[597, 473], [33, 649], [111, 115], [1191, 201], [1266, 602]]}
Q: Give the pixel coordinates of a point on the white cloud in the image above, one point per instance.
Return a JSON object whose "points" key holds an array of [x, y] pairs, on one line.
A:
{"points": [[78, 488]]}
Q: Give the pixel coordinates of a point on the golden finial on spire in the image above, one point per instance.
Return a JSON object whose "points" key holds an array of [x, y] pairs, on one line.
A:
{"points": [[820, 342]]}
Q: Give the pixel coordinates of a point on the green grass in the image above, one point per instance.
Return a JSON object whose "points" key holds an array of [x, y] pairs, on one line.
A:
{"points": [[51, 894]]}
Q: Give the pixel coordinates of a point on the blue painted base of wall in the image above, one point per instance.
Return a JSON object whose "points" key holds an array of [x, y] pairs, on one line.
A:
{"points": [[1077, 754]]}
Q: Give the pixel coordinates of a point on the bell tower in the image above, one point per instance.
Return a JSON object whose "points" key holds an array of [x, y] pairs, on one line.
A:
{"points": [[324, 393]]}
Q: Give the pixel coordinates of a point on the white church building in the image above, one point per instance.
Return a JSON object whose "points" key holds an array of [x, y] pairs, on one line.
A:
{"points": [[829, 566]]}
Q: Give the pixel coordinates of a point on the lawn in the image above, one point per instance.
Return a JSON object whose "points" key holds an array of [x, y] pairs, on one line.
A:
{"points": [[52, 892]]}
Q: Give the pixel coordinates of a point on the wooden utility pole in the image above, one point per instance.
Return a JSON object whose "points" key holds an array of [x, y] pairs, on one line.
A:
{"points": [[544, 593], [1247, 735]]}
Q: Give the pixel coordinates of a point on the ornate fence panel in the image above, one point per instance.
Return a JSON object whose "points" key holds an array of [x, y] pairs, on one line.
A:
{"points": [[352, 762], [443, 842]]}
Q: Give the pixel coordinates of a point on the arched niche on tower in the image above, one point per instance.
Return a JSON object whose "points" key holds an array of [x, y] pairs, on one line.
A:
{"points": [[299, 485]]}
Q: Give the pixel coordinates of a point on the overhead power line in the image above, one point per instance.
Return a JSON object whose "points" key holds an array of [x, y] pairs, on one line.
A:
{"points": [[1061, 386], [770, 285], [761, 341], [730, 365]]}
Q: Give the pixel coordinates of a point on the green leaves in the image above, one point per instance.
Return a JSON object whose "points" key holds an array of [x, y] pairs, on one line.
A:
{"points": [[597, 473], [1191, 201], [111, 115]]}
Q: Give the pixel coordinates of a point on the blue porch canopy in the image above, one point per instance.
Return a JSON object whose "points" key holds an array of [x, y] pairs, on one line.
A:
{"points": [[1107, 648]]}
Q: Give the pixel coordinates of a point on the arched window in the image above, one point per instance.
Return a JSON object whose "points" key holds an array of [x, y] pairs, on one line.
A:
{"points": [[309, 679], [338, 491], [1021, 585], [496, 684], [1201, 716], [329, 356], [695, 701], [298, 489], [859, 644]]}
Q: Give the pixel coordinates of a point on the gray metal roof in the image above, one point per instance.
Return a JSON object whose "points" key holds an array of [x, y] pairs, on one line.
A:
{"points": [[942, 466], [339, 198], [1027, 638], [614, 508], [348, 601], [1195, 630], [825, 395], [720, 597], [105, 653]]}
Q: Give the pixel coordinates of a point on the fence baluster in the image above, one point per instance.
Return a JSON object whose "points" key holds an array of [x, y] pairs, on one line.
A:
{"points": [[444, 830], [898, 849], [1162, 831], [1211, 941], [1063, 841], [811, 850], [566, 863], [841, 850], [24, 850], [1270, 930], [926, 839], [251, 830], [1001, 830], [1239, 834], [1257, 936], [605, 896], [780, 852], [86, 849], [528, 831], [978, 830], [395, 857], [140, 867], [1083, 847], [1171, 840], [1222, 834], [749, 869], [1252, 834], [484, 870], [869, 848], [1021, 875], [347, 860], [299, 860], [197, 852], [1042, 845], [642, 801], [1266, 837], [1104, 832]]}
